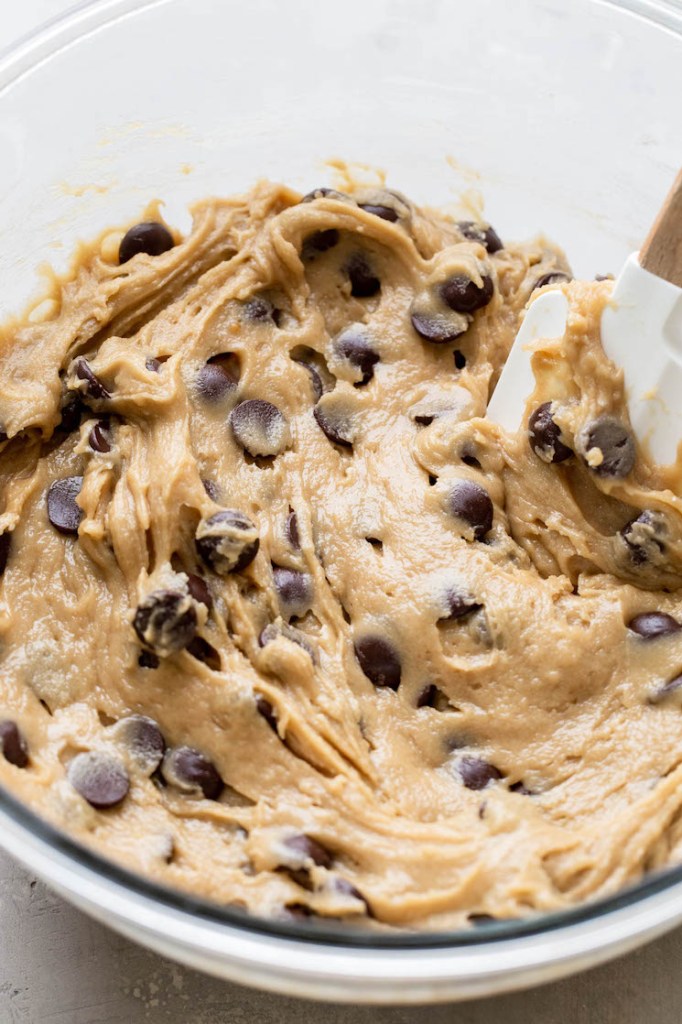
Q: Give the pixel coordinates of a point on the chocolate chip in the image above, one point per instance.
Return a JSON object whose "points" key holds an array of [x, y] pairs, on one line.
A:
{"points": [[12, 744], [143, 739], [260, 428], [315, 378], [615, 443], [337, 428], [212, 489], [460, 359], [99, 778], [198, 588], [521, 788], [485, 236], [294, 590], [5, 545], [152, 364], [471, 503], [354, 345], [3, 434], [290, 531], [272, 631], [437, 326], [166, 621], [93, 385], [427, 696], [385, 212], [148, 660], [652, 625], [266, 710], [463, 295], [346, 888], [643, 537], [476, 773], [191, 772], [227, 541], [363, 283], [324, 193], [217, 378], [458, 605], [481, 919], [553, 277], [318, 242], [667, 690], [379, 661], [149, 237], [71, 412], [309, 849], [98, 439], [259, 309], [203, 651], [62, 510], [544, 435]]}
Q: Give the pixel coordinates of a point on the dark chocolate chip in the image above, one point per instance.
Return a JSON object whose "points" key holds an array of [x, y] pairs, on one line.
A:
{"points": [[5, 545], [294, 590], [291, 531], [259, 427], [266, 710], [336, 428], [152, 364], [198, 588], [143, 739], [93, 385], [460, 359], [227, 541], [436, 326], [324, 193], [3, 434], [216, 378], [471, 503], [188, 770], [346, 888], [544, 435], [99, 778], [212, 489], [98, 437], [485, 236], [521, 788], [166, 621], [615, 442], [652, 625], [12, 744], [203, 651], [463, 295], [385, 212], [271, 632], [319, 241], [149, 237], [309, 849], [379, 661], [459, 605], [468, 457], [354, 346], [62, 510], [427, 696], [667, 690], [71, 412], [315, 378], [363, 283], [553, 277], [643, 537], [476, 773], [260, 309], [147, 659]]}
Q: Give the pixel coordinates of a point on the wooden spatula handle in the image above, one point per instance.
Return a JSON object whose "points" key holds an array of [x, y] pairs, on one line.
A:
{"points": [[661, 253]]}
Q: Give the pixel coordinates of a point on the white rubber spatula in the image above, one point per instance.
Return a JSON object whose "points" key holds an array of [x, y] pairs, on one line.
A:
{"points": [[641, 332]]}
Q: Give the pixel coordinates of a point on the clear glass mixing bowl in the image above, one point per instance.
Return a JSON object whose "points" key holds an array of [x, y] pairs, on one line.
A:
{"points": [[565, 115]]}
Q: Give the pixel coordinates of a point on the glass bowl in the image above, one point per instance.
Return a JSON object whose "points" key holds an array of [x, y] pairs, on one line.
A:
{"points": [[565, 117]]}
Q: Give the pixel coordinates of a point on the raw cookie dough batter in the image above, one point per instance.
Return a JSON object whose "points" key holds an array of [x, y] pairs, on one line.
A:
{"points": [[285, 622]]}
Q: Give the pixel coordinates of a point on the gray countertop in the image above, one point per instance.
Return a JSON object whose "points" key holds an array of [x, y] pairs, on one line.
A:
{"points": [[59, 967]]}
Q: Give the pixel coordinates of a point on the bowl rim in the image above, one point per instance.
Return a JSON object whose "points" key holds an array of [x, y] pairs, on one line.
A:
{"points": [[21, 58]]}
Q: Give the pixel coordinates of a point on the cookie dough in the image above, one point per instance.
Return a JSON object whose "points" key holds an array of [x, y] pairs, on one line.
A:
{"points": [[285, 621]]}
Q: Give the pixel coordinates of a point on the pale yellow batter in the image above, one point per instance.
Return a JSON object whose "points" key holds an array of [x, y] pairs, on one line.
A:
{"points": [[392, 665]]}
